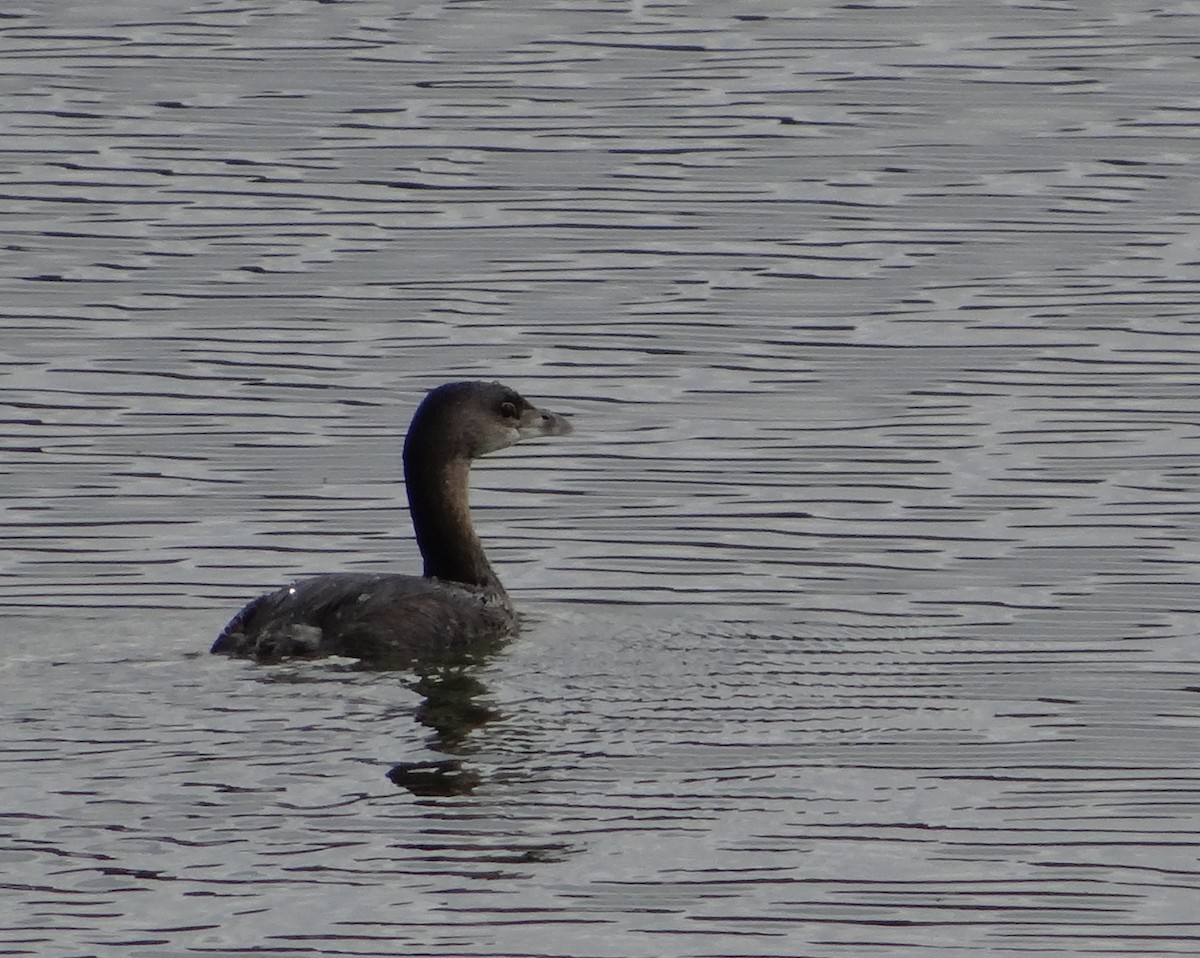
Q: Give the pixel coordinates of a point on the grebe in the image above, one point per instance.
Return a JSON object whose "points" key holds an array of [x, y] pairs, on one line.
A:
{"points": [[458, 605]]}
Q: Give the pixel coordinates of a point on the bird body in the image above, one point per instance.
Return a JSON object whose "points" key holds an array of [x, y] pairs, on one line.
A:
{"points": [[459, 605]]}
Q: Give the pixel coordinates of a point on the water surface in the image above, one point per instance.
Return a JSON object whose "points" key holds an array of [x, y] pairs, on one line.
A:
{"points": [[861, 603]]}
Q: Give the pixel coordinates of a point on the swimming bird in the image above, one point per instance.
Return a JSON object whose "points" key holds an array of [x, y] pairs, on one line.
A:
{"points": [[458, 605]]}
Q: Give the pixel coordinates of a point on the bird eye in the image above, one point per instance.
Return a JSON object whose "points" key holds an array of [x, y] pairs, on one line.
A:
{"points": [[508, 410]]}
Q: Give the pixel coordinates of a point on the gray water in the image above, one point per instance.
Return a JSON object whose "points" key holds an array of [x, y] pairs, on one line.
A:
{"points": [[862, 603]]}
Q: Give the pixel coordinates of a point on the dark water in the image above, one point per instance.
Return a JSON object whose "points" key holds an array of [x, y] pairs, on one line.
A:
{"points": [[863, 613]]}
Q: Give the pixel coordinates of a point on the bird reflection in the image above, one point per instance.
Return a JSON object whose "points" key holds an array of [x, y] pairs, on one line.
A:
{"points": [[452, 710]]}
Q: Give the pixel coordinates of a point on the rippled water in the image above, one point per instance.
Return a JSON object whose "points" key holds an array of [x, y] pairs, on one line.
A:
{"points": [[862, 602]]}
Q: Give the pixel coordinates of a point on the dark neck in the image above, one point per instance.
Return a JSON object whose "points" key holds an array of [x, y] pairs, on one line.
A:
{"points": [[441, 515]]}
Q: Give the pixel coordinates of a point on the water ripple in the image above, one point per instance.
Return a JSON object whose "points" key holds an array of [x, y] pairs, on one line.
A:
{"points": [[861, 603]]}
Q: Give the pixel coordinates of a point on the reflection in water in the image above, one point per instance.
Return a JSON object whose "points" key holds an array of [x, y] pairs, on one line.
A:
{"points": [[452, 710], [438, 777], [451, 707]]}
